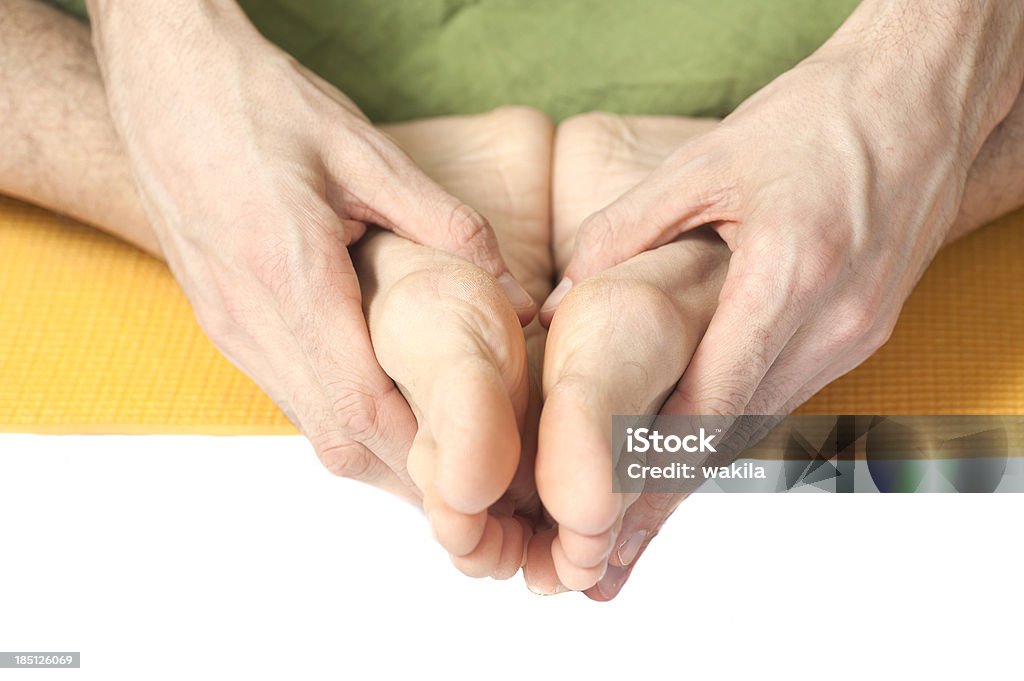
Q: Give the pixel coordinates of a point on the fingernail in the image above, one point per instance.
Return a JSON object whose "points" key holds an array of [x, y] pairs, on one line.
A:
{"points": [[517, 295], [612, 582], [626, 553], [556, 296]]}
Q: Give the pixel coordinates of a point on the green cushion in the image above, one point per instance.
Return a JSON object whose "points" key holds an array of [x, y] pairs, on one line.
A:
{"points": [[402, 59]]}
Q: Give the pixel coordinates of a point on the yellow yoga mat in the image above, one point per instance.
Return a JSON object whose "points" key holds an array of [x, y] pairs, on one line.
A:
{"points": [[96, 337]]}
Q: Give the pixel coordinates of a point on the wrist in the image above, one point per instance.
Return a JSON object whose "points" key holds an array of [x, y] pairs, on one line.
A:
{"points": [[120, 28], [953, 69]]}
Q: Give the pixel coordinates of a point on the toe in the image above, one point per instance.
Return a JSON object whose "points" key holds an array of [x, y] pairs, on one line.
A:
{"points": [[539, 571], [484, 559]]}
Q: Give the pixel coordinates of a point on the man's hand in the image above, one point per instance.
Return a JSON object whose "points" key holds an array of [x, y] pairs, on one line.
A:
{"points": [[256, 176], [834, 187]]}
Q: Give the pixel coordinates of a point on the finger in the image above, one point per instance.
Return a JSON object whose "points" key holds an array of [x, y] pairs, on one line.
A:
{"points": [[819, 353], [834, 370], [501, 169], [640, 526], [794, 369], [389, 190], [321, 304], [247, 321], [680, 195], [599, 157], [303, 402], [754, 321]]}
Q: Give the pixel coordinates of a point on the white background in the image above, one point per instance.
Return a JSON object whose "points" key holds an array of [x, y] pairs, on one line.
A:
{"points": [[197, 557]]}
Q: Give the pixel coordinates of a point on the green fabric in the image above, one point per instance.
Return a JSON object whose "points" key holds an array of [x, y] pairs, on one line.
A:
{"points": [[402, 59]]}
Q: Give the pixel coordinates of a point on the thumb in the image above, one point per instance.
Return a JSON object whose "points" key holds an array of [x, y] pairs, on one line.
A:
{"points": [[392, 192], [673, 199]]}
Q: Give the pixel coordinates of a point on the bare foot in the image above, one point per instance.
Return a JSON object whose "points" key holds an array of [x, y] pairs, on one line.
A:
{"points": [[618, 343], [445, 332]]}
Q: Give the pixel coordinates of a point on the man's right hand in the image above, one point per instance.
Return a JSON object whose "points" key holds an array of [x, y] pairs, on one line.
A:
{"points": [[256, 176]]}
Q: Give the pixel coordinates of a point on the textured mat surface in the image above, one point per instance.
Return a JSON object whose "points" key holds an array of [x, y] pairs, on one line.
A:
{"points": [[96, 337]]}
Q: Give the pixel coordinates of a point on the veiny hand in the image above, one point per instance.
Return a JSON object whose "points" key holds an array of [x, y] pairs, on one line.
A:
{"points": [[256, 176], [834, 187]]}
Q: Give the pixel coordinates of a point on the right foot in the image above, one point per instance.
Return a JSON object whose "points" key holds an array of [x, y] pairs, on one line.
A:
{"points": [[617, 345]]}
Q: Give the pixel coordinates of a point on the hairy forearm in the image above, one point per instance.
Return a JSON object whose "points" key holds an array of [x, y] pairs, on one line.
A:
{"points": [[995, 184], [121, 28], [943, 70], [61, 150], [60, 147], [160, 61]]}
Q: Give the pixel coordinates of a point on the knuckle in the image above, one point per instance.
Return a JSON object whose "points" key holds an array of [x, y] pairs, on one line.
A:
{"points": [[719, 396], [468, 230], [595, 232], [855, 325], [722, 402], [749, 285], [342, 457], [879, 335], [769, 398], [659, 505], [796, 273], [356, 409], [820, 269]]}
